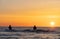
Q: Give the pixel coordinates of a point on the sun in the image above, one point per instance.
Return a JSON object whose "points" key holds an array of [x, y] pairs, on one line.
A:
{"points": [[52, 24]]}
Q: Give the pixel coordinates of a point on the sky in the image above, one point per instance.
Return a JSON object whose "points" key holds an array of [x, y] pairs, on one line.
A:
{"points": [[30, 12]]}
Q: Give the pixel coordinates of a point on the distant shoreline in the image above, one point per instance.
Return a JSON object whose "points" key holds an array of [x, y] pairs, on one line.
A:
{"points": [[28, 27]]}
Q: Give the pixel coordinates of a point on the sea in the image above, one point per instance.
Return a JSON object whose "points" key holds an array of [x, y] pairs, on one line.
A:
{"points": [[28, 33]]}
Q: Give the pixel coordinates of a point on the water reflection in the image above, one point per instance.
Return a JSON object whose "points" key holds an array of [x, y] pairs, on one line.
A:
{"points": [[37, 36]]}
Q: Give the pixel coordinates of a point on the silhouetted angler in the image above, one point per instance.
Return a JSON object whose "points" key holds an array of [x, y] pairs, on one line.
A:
{"points": [[34, 28], [10, 28]]}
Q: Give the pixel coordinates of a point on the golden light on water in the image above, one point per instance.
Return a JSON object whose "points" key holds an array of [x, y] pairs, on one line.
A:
{"points": [[52, 25]]}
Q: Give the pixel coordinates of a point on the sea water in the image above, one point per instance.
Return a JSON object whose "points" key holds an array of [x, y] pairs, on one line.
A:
{"points": [[19, 34]]}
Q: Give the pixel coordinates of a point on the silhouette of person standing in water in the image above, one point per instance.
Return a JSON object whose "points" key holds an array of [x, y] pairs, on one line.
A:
{"points": [[34, 28], [10, 28]]}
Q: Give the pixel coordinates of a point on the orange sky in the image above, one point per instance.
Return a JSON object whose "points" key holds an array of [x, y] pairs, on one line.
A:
{"points": [[29, 12]]}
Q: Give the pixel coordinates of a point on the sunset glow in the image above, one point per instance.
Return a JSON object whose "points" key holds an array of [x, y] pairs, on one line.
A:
{"points": [[52, 24], [42, 13]]}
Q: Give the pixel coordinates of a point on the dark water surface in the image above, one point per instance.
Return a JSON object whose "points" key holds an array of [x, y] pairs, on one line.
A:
{"points": [[19, 33]]}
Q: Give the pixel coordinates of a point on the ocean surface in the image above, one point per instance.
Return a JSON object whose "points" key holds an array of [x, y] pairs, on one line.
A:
{"points": [[28, 33]]}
